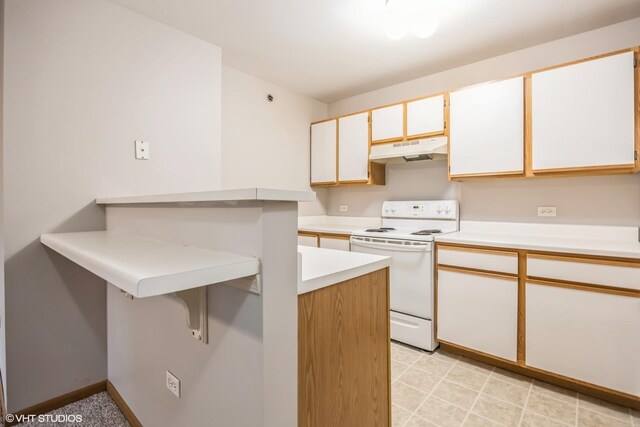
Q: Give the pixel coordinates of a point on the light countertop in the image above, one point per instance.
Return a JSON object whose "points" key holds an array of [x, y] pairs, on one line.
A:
{"points": [[319, 268], [146, 267], [618, 242], [243, 194], [336, 224]]}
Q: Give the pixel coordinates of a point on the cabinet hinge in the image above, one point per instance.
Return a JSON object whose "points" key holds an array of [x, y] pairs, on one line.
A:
{"points": [[445, 124], [369, 119], [635, 62], [445, 102], [635, 155]]}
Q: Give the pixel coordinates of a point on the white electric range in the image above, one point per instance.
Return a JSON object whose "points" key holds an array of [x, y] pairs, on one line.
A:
{"points": [[406, 235]]}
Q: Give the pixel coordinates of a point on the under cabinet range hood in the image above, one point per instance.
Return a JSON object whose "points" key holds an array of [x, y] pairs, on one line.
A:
{"points": [[410, 151]]}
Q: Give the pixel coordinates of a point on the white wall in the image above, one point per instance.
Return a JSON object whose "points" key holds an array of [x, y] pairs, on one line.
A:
{"points": [[611, 200], [3, 351], [83, 79], [266, 144]]}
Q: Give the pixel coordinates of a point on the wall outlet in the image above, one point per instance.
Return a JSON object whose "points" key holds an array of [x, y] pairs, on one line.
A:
{"points": [[546, 211], [173, 384], [142, 150], [344, 208]]}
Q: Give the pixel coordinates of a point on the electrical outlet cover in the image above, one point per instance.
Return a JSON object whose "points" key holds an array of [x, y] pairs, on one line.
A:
{"points": [[546, 211], [173, 384], [344, 208]]}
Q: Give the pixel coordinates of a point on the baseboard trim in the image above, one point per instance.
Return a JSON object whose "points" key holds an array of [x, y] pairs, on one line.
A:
{"points": [[124, 408], [60, 401], [593, 390]]}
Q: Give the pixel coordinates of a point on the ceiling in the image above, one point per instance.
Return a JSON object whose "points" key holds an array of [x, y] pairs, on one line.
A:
{"points": [[333, 49]]}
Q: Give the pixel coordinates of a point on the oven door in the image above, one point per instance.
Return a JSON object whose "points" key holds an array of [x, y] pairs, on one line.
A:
{"points": [[411, 273]]}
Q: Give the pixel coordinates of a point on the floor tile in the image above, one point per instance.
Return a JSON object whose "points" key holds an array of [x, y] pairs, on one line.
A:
{"points": [[441, 412], [497, 410], [588, 418], [474, 420], [397, 369], [406, 396], [419, 379], [511, 393], [556, 392], [404, 354], [474, 365], [531, 419], [551, 408], [445, 355], [399, 416], [433, 366], [456, 394], [417, 421], [512, 377], [606, 408], [467, 377]]}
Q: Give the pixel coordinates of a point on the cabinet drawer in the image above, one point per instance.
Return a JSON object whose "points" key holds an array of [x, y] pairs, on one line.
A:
{"points": [[483, 259], [590, 336], [335, 243], [584, 270], [308, 240], [478, 312]]}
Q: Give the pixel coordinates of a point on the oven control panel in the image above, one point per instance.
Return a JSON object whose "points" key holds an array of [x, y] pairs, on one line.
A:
{"points": [[425, 209]]}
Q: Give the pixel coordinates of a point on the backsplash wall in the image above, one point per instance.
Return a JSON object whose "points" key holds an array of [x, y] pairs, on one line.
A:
{"points": [[602, 200]]}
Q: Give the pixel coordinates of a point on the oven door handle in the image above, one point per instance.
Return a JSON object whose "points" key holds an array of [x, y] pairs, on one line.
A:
{"points": [[421, 247]]}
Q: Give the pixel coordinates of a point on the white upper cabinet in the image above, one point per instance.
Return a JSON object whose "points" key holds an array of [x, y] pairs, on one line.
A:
{"points": [[387, 124], [487, 129], [583, 114], [323, 152], [353, 147], [425, 116]]}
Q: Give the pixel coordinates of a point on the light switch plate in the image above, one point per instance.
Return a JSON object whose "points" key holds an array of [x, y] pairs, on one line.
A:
{"points": [[142, 150], [546, 211]]}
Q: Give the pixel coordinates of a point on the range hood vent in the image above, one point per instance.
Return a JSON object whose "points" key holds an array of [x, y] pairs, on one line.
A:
{"points": [[410, 151]]}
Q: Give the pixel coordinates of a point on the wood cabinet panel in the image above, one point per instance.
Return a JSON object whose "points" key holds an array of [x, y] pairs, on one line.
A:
{"points": [[590, 336], [425, 116], [387, 123], [487, 129], [583, 115], [323, 152], [335, 243], [343, 354], [478, 312], [353, 147]]}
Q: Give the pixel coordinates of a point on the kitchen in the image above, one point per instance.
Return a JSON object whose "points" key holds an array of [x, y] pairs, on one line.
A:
{"points": [[515, 304]]}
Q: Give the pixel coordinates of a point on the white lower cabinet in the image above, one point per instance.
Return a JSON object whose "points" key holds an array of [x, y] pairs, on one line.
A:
{"points": [[479, 312], [333, 243], [304, 240], [584, 334]]}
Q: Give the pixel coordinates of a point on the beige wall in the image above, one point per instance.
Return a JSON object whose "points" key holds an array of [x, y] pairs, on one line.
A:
{"points": [[611, 200], [83, 80], [266, 144]]}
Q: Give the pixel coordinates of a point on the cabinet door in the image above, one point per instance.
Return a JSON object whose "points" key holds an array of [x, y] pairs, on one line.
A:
{"points": [[587, 335], [323, 152], [478, 312], [335, 243], [387, 124], [583, 114], [308, 240], [487, 129], [353, 148], [425, 116]]}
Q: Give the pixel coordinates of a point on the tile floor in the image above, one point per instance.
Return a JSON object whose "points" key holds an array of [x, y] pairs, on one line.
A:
{"points": [[443, 389]]}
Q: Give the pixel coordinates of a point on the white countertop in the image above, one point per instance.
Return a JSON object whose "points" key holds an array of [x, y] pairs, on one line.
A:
{"points": [[146, 267], [319, 268], [336, 224], [243, 194], [597, 240]]}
